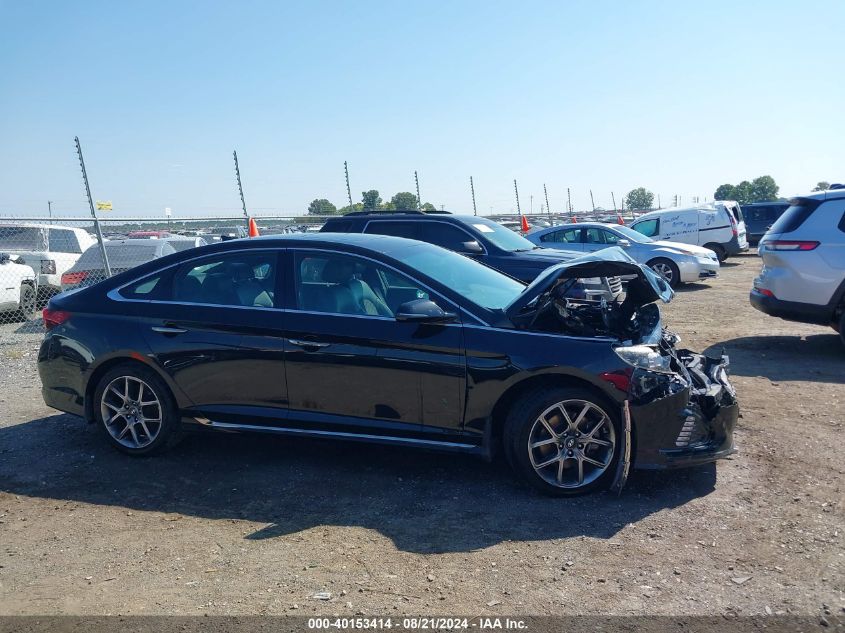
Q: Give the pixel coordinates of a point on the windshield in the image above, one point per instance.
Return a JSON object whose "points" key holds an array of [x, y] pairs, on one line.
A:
{"points": [[632, 235], [22, 238], [500, 236], [478, 283]]}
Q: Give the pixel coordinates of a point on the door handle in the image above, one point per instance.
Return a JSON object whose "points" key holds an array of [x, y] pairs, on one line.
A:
{"points": [[300, 343], [167, 330]]}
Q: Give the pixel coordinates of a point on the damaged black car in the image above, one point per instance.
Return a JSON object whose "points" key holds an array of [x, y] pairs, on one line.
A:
{"points": [[380, 339]]}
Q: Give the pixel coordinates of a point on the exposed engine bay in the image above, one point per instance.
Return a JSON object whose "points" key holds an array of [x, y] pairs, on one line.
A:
{"points": [[628, 319]]}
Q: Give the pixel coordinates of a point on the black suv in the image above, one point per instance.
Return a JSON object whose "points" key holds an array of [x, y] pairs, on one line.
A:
{"points": [[759, 217], [479, 238]]}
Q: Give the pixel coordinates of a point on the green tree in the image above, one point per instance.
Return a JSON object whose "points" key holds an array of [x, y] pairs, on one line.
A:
{"points": [[764, 189], [822, 186], [321, 206], [370, 199], [639, 198], [725, 192], [428, 207], [404, 201], [743, 192], [350, 209]]}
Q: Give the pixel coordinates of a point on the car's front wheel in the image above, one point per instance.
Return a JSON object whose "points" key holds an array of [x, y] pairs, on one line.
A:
{"points": [[563, 441], [667, 269], [135, 410]]}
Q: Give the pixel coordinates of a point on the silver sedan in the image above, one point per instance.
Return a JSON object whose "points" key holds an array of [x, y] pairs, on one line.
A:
{"points": [[678, 263]]}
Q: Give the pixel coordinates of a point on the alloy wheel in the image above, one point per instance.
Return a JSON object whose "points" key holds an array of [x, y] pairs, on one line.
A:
{"points": [[664, 270], [572, 443], [131, 412]]}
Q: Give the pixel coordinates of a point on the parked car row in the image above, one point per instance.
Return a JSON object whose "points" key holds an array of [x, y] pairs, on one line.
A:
{"points": [[677, 262]]}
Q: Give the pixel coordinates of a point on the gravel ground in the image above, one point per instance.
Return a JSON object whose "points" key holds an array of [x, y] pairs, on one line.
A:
{"points": [[231, 524]]}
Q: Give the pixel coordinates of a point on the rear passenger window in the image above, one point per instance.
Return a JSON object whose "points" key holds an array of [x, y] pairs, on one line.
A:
{"points": [[444, 235], [568, 236], [238, 279], [397, 229], [146, 289], [63, 241]]}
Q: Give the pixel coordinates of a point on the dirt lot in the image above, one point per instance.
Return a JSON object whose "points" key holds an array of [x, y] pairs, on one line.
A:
{"points": [[237, 524]]}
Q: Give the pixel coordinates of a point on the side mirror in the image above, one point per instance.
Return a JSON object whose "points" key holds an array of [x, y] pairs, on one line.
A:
{"points": [[424, 311], [624, 243], [472, 247]]}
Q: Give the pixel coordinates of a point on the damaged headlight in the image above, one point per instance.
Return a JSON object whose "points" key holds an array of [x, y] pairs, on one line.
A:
{"points": [[645, 357]]}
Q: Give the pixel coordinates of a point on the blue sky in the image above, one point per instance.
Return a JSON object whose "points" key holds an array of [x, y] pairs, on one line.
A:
{"points": [[678, 97]]}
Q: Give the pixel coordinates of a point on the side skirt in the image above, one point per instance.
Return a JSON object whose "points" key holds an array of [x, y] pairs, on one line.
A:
{"points": [[438, 445]]}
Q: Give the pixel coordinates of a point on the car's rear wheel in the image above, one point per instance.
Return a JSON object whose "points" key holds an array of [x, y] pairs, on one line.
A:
{"points": [[135, 410], [563, 441], [720, 251], [26, 307], [667, 269]]}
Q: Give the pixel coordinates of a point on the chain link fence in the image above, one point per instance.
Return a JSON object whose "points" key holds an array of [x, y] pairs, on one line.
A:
{"points": [[41, 257]]}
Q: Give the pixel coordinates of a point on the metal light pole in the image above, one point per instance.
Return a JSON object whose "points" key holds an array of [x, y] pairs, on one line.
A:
{"points": [[50, 210], [91, 206], [516, 191], [548, 207], [419, 201], [348, 190], [240, 187], [472, 189], [593, 202]]}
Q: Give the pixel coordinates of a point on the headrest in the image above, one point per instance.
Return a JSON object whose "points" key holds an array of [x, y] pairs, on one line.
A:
{"points": [[338, 271]]}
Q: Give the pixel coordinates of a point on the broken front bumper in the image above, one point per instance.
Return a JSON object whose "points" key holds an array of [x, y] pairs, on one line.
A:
{"points": [[686, 418]]}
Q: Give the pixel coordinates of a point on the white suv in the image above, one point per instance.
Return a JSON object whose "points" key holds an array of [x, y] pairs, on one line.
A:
{"points": [[803, 276], [49, 249]]}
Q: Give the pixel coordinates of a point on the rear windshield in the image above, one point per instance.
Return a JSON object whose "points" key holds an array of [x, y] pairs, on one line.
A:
{"points": [[120, 255], [799, 210], [22, 238]]}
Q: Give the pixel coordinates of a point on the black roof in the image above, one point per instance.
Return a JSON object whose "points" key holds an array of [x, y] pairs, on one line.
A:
{"points": [[388, 212]]}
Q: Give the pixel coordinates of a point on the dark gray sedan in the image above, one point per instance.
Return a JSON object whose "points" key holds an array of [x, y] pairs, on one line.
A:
{"points": [[122, 255]]}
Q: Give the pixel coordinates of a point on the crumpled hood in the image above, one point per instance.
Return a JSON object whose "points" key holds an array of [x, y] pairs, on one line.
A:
{"points": [[647, 285]]}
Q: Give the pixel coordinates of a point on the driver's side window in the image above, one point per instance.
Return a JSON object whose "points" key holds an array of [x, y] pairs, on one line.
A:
{"points": [[335, 283]]}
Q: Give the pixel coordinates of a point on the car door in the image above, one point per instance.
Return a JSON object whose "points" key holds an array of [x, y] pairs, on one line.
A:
{"points": [[352, 366], [213, 326], [597, 238], [565, 239]]}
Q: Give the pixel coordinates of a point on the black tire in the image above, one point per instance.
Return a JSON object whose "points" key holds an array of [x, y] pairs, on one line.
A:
{"points": [[164, 435], [519, 430], [720, 251], [667, 269], [26, 307]]}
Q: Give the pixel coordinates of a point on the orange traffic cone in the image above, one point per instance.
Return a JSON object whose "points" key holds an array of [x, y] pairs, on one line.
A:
{"points": [[574, 220], [619, 219], [525, 227], [253, 228]]}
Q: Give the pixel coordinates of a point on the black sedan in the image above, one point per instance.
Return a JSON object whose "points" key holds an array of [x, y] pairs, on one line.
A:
{"points": [[383, 339]]}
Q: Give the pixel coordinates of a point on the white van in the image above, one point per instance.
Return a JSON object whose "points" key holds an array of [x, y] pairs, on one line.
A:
{"points": [[718, 226]]}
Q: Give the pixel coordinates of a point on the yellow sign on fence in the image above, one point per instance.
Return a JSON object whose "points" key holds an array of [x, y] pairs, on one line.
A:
{"points": [[104, 205]]}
